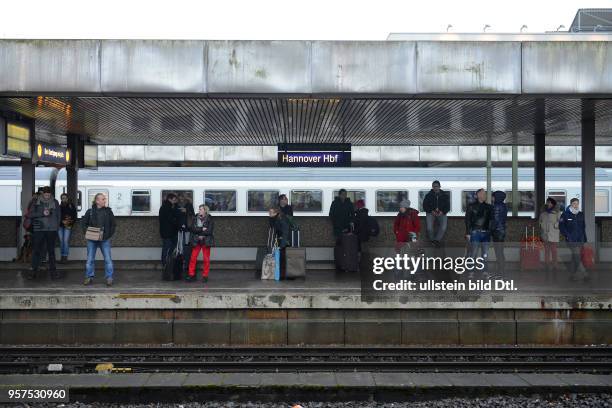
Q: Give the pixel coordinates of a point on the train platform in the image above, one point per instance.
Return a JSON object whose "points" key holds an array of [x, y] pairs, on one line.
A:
{"points": [[326, 308], [314, 386], [233, 285]]}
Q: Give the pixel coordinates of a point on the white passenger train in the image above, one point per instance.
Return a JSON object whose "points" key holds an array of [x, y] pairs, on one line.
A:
{"points": [[249, 191]]}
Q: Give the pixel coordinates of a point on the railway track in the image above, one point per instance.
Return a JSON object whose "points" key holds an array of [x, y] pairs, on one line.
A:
{"points": [[288, 359]]}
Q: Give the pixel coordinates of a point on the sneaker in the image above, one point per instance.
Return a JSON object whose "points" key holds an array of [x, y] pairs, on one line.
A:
{"points": [[31, 275], [204, 279], [64, 259], [88, 281], [190, 279], [109, 282]]}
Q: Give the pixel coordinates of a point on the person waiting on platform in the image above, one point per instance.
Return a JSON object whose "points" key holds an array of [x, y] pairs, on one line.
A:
{"points": [[202, 239], [341, 213], [283, 203], [168, 225], [479, 223], [281, 233], [436, 205], [549, 232], [500, 213], [572, 227], [406, 226], [68, 217], [185, 214], [45, 215], [99, 226]]}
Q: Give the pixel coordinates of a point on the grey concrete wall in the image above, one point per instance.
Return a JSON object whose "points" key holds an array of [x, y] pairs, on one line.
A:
{"points": [[307, 327], [143, 232]]}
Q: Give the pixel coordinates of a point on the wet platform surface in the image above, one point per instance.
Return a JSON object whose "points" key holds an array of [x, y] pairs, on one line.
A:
{"points": [[234, 285]]}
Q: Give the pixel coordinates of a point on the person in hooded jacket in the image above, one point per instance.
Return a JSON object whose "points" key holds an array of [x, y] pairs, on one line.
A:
{"points": [[572, 227], [549, 232], [100, 216], [185, 214], [45, 214], [168, 225], [407, 225], [279, 225], [341, 213], [68, 217], [202, 239], [500, 213]]}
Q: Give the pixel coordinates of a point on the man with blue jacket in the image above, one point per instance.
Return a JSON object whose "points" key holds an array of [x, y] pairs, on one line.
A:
{"points": [[572, 227]]}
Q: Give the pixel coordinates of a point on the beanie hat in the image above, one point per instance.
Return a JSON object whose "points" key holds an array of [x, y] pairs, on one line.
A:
{"points": [[405, 204]]}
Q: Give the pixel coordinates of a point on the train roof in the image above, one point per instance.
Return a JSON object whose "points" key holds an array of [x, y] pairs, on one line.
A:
{"points": [[297, 174]]}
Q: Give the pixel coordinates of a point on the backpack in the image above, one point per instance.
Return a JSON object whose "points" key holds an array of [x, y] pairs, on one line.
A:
{"points": [[27, 221], [373, 228]]}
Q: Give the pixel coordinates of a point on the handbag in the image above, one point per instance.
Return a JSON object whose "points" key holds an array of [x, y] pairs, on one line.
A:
{"points": [[94, 234], [587, 256]]}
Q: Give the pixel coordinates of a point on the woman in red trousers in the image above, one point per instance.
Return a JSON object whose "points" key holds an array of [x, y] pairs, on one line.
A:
{"points": [[202, 239], [406, 225]]}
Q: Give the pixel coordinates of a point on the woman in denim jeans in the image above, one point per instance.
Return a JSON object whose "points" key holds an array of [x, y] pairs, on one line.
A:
{"points": [[68, 216], [100, 216]]}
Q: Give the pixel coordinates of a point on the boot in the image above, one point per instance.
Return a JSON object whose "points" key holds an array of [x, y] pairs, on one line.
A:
{"points": [[64, 259]]}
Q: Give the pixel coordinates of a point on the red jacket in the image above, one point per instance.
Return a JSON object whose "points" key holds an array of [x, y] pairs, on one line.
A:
{"points": [[406, 223]]}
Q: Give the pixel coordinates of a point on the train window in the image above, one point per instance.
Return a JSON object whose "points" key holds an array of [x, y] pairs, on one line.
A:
{"points": [[560, 197], [467, 197], [526, 200], [423, 193], [141, 201], [91, 194], [602, 201], [389, 200], [181, 194], [307, 200], [353, 195], [220, 200], [262, 200]]}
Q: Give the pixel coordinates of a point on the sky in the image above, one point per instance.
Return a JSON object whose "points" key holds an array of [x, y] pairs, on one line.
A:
{"points": [[278, 19]]}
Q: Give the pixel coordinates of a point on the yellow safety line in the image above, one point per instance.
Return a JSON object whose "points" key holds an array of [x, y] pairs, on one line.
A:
{"points": [[147, 295]]}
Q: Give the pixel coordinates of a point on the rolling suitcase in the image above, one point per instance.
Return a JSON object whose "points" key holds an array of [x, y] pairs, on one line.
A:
{"points": [[259, 259], [295, 238], [347, 253], [296, 263], [531, 248]]}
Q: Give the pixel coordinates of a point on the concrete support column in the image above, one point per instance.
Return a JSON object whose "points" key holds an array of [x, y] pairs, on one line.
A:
{"points": [[588, 167], [515, 196], [539, 158], [540, 172], [28, 182], [75, 144]]}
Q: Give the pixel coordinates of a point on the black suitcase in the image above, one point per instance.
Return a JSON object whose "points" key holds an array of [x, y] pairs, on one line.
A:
{"points": [[295, 238], [346, 254], [295, 259]]}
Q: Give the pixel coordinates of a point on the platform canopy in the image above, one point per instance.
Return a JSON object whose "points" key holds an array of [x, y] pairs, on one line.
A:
{"points": [[445, 90]]}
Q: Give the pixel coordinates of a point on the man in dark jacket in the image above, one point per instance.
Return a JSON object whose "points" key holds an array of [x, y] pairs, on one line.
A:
{"points": [[572, 227], [168, 225], [45, 214], [479, 223], [341, 213], [279, 225], [500, 213], [436, 205]]}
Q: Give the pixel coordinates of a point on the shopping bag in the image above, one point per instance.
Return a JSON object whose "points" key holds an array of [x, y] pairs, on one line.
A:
{"points": [[587, 255]]}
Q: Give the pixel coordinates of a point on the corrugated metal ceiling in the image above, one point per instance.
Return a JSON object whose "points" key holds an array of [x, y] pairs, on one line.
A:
{"points": [[267, 121]]}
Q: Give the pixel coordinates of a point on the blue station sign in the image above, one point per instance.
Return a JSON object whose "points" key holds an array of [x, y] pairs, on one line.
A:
{"points": [[53, 154], [314, 155]]}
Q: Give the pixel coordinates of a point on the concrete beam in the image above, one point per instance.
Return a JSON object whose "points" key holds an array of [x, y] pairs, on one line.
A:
{"points": [[162, 67]]}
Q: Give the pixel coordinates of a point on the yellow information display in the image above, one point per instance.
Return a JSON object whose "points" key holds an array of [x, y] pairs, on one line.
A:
{"points": [[18, 140]]}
